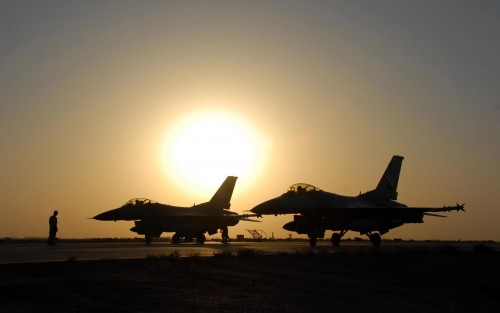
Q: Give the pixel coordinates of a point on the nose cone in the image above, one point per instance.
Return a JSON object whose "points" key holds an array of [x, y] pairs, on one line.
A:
{"points": [[280, 205], [260, 209], [111, 215], [273, 206]]}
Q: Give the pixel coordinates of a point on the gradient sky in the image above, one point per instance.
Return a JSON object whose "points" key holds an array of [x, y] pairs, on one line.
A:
{"points": [[91, 93]]}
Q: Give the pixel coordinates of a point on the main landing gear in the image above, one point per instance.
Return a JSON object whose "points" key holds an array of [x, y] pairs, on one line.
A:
{"points": [[374, 238], [312, 241], [314, 235], [148, 237], [200, 239], [176, 238]]}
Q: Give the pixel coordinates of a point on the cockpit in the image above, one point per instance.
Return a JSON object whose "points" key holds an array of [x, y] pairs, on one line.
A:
{"points": [[301, 188], [139, 202]]}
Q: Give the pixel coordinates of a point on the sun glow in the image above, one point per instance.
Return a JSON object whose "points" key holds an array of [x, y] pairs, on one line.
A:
{"points": [[205, 148]]}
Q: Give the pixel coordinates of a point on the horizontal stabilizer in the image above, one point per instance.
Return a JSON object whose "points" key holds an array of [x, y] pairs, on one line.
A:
{"points": [[436, 215]]}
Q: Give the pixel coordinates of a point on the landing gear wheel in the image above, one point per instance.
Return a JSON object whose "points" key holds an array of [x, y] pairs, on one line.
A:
{"points": [[200, 239], [176, 239], [336, 239], [312, 241], [375, 239], [148, 238]]}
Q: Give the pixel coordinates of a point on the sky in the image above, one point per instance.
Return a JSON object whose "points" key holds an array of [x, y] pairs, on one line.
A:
{"points": [[104, 101]]}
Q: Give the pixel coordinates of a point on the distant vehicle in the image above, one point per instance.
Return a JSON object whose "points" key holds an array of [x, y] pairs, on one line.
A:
{"points": [[372, 213], [153, 218]]}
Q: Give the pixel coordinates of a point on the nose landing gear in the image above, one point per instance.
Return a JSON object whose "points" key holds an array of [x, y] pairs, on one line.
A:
{"points": [[375, 238], [336, 237]]}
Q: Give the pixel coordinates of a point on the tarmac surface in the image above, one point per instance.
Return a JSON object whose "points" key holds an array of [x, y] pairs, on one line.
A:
{"points": [[34, 252], [252, 277]]}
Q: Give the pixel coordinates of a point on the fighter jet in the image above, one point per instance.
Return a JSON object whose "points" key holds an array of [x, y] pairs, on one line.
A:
{"points": [[372, 213], [152, 218]]}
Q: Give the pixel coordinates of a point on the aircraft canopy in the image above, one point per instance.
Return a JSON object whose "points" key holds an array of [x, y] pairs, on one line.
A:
{"points": [[139, 201], [301, 188]]}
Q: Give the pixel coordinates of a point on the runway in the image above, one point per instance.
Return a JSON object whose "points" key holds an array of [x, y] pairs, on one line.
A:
{"points": [[31, 252]]}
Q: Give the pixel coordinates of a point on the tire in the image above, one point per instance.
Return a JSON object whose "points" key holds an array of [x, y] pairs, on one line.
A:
{"points": [[176, 239], [200, 239], [312, 241], [336, 239], [376, 239]]}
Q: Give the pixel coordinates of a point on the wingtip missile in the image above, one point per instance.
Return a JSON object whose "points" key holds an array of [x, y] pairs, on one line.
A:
{"points": [[246, 217], [457, 207]]}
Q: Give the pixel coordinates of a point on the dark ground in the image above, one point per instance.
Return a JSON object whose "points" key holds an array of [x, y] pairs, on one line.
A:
{"points": [[436, 281]]}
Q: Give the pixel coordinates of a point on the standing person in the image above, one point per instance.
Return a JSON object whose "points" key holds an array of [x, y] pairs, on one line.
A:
{"points": [[53, 228]]}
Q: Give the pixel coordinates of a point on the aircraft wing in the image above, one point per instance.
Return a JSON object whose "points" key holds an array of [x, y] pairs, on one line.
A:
{"points": [[457, 207], [354, 210], [395, 210]]}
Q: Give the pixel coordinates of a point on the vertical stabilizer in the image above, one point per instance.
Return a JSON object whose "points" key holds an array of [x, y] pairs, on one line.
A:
{"points": [[222, 198], [388, 185]]}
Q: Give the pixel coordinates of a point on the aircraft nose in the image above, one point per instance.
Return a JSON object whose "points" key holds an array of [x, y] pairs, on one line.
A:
{"points": [[106, 216], [279, 205], [257, 209], [263, 208]]}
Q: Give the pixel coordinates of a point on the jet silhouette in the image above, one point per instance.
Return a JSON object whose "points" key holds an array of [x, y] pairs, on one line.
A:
{"points": [[153, 218], [372, 213]]}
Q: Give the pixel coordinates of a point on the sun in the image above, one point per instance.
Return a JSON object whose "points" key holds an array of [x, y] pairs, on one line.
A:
{"points": [[204, 148]]}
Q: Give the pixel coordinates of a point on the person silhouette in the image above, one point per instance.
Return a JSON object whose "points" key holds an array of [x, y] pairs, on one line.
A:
{"points": [[53, 228]]}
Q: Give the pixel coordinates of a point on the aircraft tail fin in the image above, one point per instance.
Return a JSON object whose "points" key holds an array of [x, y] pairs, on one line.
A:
{"points": [[388, 185], [222, 198]]}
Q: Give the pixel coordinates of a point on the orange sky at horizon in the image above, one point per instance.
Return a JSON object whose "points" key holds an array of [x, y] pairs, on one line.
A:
{"points": [[323, 92]]}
